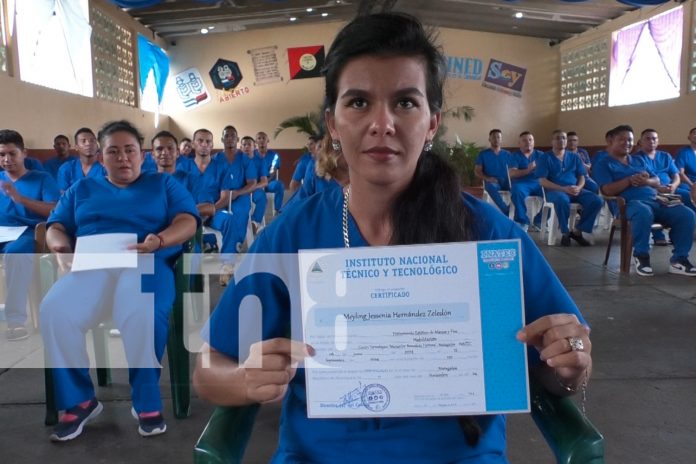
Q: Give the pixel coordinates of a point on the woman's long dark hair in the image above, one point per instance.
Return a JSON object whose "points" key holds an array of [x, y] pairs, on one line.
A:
{"points": [[430, 209]]}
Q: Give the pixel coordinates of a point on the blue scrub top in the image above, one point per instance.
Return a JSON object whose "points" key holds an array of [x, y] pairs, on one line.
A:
{"points": [[686, 160], [237, 173], [610, 170], [559, 172], [301, 167], [599, 156], [520, 161], [52, 165], [494, 165], [149, 164], [317, 223], [71, 171], [663, 165], [584, 156], [261, 166], [312, 184], [37, 185], [147, 206]]}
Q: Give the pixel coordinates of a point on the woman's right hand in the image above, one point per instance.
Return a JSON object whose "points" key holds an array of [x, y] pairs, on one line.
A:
{"points": [[64, 257], [271, 366]]}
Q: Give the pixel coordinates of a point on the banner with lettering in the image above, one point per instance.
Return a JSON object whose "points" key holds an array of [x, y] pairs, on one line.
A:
{"points": [[504, 77]]}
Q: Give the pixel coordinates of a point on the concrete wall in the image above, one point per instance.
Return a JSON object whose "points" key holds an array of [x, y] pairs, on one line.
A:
{"points": [[263, 107]]}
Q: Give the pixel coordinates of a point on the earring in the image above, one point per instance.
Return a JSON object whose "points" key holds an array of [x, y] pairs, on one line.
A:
{"points": [[336, 145], [428, 145]]}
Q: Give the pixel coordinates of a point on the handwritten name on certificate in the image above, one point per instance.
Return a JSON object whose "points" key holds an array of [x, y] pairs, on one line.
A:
{"points": [[414, 330]]}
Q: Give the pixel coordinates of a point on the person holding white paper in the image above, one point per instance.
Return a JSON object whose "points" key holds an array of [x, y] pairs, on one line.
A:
{"points": [[26, 198], [161, 213], [384, 95]]}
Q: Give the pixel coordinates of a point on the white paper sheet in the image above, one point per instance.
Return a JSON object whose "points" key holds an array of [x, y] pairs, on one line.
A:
{"points": [[105, 251]]}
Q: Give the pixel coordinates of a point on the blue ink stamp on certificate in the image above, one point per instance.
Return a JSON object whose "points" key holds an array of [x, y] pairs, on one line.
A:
{"points": [[375, 397]]}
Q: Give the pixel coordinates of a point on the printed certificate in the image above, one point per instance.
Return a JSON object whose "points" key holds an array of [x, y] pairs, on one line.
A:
{"points": [[414, 330]]}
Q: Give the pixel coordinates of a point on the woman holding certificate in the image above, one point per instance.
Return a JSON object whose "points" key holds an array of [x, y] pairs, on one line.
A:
{"points": [[153, 214], [384, 93]]}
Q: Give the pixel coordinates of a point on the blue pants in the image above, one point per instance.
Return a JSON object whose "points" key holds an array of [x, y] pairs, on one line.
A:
{"points": [[591, 185], [278, 189], [521, 191], [493, 190], [590, 203], [680, 219], [684, 192], [80, 300], [19, 270], [260, 202], [232, 225]]}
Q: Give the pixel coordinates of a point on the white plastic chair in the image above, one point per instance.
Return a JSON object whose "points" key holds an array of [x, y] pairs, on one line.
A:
{"points": [[549, 220]]}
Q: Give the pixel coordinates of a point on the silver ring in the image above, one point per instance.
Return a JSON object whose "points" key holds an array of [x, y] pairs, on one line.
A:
{"points": [[576, 344]]}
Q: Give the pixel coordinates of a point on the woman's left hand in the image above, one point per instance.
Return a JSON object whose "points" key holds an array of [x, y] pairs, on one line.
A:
{"points": [[563, 344], [150, 244]]}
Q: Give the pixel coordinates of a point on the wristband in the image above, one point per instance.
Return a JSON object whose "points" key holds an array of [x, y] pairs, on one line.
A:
{"points": [[161, 242]]}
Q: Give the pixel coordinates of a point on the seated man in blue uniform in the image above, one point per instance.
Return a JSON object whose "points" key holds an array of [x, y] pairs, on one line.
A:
{"points": [[574, 147], [629, 176], [313, 141], [258, 195], [165, 151], [686, 161], [562, 174], [87, 165], [26, 198], [232, 176], [662, 165], [492, 167], [525, 183], [271, 159], [61, 144]]}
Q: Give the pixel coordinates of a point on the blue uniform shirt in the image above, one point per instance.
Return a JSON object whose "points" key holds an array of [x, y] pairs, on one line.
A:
{"points": [[149, 164], [301, 167], [610, 170], [52, 165], [71, 171], [565, 172], [37, 185], [316, 223], [520, 161], [262, 168], [494, 165], [663, 165], [686, 160], [146, 206], [599, 156]]}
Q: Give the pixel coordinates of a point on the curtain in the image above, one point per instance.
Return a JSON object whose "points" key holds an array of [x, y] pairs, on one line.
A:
{"points": [[666, 32], [152, 58], [54, 45]]}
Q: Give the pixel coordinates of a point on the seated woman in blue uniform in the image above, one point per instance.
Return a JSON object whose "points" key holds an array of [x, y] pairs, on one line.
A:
{"points": [[327, 171], [384, 94], [159, 210]]}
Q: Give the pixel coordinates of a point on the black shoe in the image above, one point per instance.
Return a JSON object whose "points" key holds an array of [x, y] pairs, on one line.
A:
{"points": [[15, 334], [65, 431], [579, 238], [565, 240], [643, 267]]}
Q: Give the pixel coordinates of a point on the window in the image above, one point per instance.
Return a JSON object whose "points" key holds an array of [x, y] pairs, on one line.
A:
{"points": [[114, 69], [646, 60], [584, 73], [3, 40], [692, 58], [53, 44]]}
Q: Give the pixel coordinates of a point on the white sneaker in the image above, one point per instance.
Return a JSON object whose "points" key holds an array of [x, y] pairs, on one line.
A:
{"points": [[682, 267]]}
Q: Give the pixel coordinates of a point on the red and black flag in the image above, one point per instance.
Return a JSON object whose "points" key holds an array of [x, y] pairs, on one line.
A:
{"points": [[306, 62]]}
